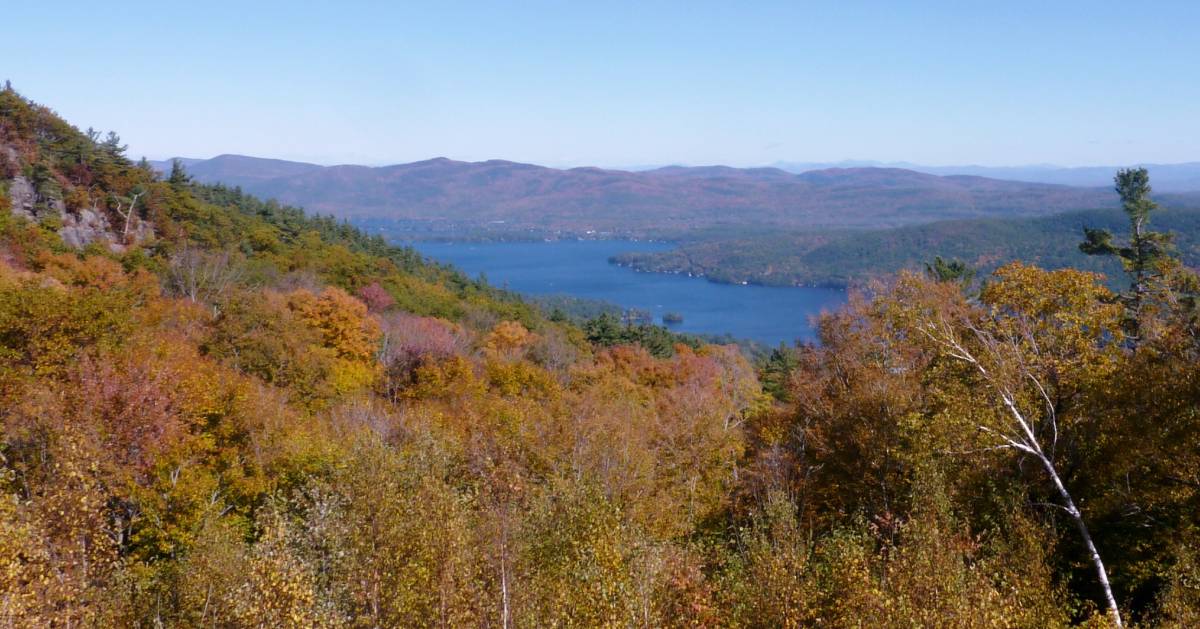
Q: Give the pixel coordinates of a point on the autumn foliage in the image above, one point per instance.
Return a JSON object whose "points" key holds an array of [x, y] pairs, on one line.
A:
{"points": [[257, 418]]}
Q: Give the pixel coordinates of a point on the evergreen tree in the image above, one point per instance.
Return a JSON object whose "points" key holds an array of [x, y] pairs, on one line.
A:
{"points": [[777, 371], [943, 270], [604, 330], [179, 176], [1146, 254], [112, 145]]}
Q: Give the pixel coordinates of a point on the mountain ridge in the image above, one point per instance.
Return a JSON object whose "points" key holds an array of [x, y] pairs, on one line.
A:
{"points": [[445, 196], [1171, 178]]}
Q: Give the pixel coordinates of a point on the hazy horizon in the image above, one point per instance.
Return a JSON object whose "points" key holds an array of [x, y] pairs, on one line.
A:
{"points": [[622, 85], [781, 164]]}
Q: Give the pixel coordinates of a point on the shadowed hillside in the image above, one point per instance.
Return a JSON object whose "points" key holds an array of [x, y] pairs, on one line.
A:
{"points": [[851, 257]]}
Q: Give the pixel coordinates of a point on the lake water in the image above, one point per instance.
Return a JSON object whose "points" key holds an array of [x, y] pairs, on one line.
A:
{"points": [[580, 268]]}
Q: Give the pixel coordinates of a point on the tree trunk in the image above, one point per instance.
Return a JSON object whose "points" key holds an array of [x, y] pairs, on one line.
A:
{"points": [[1094, 555]]}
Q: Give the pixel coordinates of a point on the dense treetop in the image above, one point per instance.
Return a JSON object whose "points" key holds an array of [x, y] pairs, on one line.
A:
{"points": [[220, 411]]}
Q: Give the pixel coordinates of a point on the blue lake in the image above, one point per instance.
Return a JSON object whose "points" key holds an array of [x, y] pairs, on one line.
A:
{"points": [[580, 268]]}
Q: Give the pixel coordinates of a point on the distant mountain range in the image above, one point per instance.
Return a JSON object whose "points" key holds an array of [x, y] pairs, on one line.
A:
{"points": [[1183, 177], [444, 197]]}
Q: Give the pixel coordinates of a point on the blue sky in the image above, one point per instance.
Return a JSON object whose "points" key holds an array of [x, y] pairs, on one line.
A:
{"points": [[622, 84]]}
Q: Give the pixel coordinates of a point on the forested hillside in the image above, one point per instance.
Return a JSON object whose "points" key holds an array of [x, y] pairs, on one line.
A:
{"points": [[854, 257], [1183, 177], [501, 199], [218, 411]]}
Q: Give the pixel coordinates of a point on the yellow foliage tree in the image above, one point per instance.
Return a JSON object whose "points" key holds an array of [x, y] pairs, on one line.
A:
{"points": [[347, 330]]}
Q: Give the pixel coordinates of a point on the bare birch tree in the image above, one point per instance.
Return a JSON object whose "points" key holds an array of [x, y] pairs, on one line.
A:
{"points": [[1029, 428], [127, 212], [202, 277]]}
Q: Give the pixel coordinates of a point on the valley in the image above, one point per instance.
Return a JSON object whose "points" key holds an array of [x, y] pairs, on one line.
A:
{"points": [[243, 392]]}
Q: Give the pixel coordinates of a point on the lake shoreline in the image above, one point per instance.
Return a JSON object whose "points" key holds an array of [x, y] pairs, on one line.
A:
{"points": [[615, 259], [842, 286], [581, 268]]}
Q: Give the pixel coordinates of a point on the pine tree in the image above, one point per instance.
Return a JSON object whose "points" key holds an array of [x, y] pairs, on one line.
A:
{"points": [[112, 145], [178, 176], [943, 270], [1145, 254], [777, 371]]}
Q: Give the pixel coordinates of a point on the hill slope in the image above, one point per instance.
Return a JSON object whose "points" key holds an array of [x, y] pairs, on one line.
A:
{"points": [[219, 411], [1174, 178], [453, 198], [845, 257]]}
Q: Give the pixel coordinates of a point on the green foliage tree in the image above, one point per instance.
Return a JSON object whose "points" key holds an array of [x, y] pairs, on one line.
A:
{"points": [[178, 176], [777, 370], [112, 145], [608, 330], [943, 270], [1145, 253]]}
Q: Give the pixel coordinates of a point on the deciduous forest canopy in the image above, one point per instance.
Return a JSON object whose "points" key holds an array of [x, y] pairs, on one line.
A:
{"points": [[222, 411]]}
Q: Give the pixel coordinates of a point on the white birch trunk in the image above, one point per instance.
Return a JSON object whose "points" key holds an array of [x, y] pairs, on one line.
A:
{"points": [[1021, 436]]}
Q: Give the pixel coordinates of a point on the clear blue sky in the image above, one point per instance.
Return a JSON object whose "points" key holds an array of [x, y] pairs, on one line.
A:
{"points": [[616, 84]]}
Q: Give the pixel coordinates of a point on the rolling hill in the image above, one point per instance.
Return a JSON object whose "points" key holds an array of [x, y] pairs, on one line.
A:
{"points": [[1184, 177], [851, 257], [443, 197]]}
